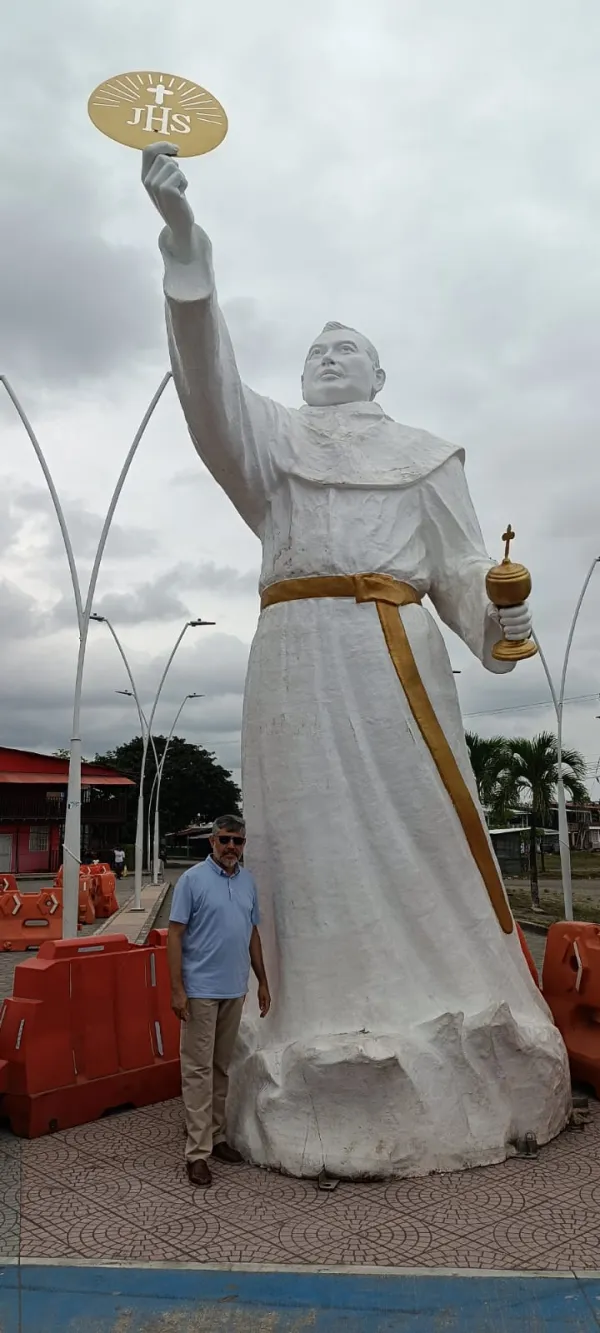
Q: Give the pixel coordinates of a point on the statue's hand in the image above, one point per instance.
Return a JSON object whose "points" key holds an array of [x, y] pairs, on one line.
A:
{"points": [[166, 185], [515, 621]]}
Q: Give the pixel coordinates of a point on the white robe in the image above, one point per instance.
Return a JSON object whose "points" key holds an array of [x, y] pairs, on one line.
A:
{"points": [[406, 1034]]}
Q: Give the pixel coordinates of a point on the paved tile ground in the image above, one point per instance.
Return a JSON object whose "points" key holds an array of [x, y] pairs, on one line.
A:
{"points": [[537, 945], [117, 1190]]}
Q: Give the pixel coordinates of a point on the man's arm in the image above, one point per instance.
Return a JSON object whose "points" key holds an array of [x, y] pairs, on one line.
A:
{"points": [[258, 967], [231, 427], [181, 910], [179, 999]]}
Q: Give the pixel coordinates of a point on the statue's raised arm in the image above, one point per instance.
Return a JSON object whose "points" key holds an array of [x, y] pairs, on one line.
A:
{"points": [[229, 423]]}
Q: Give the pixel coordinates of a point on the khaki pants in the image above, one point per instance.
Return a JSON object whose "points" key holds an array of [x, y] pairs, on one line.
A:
{"points": [[207, 1042]]}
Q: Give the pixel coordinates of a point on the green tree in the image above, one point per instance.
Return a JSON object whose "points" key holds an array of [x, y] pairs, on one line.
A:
{"points": [[194, 787], [491, 763], [534, 770]]}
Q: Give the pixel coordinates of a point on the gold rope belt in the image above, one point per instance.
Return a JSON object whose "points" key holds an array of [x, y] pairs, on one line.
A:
{"points": [[389, 594]]}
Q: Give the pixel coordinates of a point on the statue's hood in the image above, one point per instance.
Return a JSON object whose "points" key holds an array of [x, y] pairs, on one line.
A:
{"points": [[356, 444]]}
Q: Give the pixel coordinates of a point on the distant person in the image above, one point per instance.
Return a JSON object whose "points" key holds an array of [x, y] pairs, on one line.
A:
{"points": [[213, 941], [119, 861]]}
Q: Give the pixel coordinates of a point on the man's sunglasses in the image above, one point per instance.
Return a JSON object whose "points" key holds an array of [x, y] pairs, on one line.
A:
{"points": [[230, 837]]}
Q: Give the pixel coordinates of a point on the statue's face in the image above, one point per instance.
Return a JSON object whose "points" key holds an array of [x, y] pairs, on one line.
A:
{"points": [[339, 369]]}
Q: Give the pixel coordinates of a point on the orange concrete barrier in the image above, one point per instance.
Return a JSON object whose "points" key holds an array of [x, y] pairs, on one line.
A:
{"points": [[29, 919], [86, 913], [571, 988], [8, 884], [99, 898], [528, 956], [104, 893], [84, 871], [87, 1030]]}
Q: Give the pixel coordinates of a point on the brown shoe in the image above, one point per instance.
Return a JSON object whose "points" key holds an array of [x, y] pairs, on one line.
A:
{"points": [[224, 1153], [198, 1173]]}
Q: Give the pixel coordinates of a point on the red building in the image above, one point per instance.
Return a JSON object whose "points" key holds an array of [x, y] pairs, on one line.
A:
{"points": [[33, 798]]}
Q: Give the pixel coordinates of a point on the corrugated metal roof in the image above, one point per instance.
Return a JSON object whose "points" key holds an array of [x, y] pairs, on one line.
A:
{"points": [[27, 766]]}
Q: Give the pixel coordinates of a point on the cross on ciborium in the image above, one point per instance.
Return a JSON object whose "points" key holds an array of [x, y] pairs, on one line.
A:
{"points": [[509, 584]]}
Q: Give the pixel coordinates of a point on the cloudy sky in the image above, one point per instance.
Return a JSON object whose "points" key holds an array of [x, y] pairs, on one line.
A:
{"points": [[429, 172]]}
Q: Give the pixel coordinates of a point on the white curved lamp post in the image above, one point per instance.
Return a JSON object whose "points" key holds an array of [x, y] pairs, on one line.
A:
{"points": [[190, 624], [72, 836], [146, 737], [558, 701], [157, 782]]}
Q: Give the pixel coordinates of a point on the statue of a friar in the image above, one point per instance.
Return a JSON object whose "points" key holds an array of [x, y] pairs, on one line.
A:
{"points": [[406, 1034]]}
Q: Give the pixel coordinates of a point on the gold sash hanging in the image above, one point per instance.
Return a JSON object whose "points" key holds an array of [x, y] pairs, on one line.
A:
{"points": [[389, 594]]}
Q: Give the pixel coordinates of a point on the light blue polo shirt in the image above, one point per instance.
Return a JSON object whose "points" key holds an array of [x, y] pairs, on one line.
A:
{"points": [[219, 911]]}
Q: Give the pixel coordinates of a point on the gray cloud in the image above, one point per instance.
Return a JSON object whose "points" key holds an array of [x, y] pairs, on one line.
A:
{"points": [[10, 523], [152, 601], [20, 616], [36, 705], [76, 304], [220, 578], [160, 599], [428, 173], [20, 502]]}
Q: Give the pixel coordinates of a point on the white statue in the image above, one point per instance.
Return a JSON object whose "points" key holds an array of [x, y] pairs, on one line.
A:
{"points": [[406, 1034]]}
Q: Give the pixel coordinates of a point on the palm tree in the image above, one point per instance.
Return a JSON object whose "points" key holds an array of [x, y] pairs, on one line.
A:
{"points": [[534, 772], [492, 768]]}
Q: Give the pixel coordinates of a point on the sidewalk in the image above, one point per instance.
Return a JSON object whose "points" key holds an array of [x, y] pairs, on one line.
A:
{"points": [[132, 922], [100, 1229], [116, 1193]]}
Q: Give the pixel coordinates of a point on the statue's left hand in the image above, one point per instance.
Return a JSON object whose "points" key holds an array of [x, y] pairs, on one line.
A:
{"points": [[516, 621]]}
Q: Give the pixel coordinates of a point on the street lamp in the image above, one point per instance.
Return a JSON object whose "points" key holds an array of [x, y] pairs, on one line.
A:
{"points": [[139, 830], [558, 701], [189, 624], [146, 737], [133, 694], [72, 834], [157, 782], [146, 725]]}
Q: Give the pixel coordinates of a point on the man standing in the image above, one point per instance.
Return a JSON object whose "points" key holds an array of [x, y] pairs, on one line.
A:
{"points": [[213, 940], [119, 860]]}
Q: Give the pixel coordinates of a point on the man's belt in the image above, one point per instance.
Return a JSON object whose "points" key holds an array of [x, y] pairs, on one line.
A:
{"points": [[389, 594]]}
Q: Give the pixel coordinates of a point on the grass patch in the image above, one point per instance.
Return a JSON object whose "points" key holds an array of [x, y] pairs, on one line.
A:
{"points": [[584, 865], [586, 906]]}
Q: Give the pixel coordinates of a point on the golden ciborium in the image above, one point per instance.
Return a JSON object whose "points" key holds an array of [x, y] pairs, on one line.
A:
{"points": [[508, 584]]}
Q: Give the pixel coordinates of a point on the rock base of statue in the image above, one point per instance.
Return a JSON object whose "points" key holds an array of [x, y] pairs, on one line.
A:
{"points": [[454, 1093]]}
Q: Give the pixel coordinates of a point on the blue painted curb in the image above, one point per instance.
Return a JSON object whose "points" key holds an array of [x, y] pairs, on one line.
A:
{"points": [[150, 1300]]}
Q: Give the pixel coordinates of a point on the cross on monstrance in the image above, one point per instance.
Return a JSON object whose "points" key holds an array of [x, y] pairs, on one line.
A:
{"points": [[160, 92], [507, 537]]}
